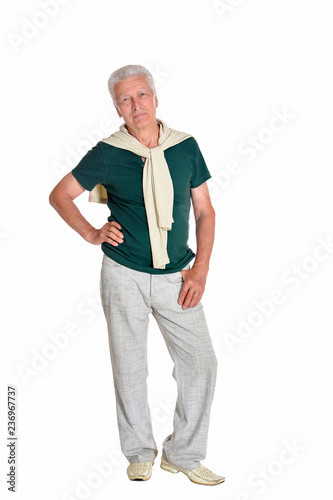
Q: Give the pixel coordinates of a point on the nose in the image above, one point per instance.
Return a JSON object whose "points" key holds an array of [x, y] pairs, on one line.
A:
{"points": [[135, 103]]}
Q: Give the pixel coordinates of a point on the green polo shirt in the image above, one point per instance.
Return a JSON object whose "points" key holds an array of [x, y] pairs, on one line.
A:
{"points": [[120, 172]]}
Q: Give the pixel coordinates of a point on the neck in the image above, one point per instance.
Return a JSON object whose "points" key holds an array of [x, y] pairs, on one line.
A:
{"points": [[147, 136]]}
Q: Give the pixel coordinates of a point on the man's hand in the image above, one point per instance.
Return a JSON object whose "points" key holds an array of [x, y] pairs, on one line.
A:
{"points": [[193, 287], [195, 278], [109, 233]]}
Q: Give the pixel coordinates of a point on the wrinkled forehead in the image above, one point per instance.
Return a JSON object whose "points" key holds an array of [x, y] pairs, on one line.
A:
{"points": [[131, 85]]}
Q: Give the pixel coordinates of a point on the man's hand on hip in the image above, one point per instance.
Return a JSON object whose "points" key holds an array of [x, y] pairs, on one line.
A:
{"points": [[193, 287], [109, 233]]}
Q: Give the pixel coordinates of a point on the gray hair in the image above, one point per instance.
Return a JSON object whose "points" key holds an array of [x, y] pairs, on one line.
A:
{"points": [[126, 71]]}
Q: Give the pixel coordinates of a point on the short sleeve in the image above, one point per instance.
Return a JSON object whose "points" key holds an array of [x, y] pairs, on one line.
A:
{"points": [[90, 171], [200, 172]]}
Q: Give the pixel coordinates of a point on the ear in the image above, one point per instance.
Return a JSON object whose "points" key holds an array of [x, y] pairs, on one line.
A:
{"points": [[156, 102], [118, 111]]}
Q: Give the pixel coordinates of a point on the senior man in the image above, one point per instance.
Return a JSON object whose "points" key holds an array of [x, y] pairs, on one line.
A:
{"points": [[148, 174]]}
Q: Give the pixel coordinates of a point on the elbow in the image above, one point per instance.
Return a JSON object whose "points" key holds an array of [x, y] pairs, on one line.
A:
{"points": [[207, 216], [212, 216], [55, 198], [209, 212], [51, 199]]}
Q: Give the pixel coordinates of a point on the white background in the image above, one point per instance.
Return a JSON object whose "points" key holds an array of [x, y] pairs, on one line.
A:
{"points": [[223, 70]]}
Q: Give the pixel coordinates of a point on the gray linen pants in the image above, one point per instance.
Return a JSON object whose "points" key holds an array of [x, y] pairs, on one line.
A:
{"points": [[128, 297]]}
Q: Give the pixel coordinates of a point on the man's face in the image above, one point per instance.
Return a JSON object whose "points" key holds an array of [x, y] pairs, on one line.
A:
{"points": [[136, 102]]}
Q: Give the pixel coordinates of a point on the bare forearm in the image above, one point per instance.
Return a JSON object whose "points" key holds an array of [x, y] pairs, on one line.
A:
{"points": [[69, 212], [62, 200], [195, 278], [205, 233]]}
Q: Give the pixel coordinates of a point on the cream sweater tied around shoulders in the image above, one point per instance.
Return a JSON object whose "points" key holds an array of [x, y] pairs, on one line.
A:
{"points": [[156, 183]]}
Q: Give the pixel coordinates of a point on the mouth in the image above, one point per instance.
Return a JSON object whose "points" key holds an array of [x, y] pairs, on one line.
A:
{"points": [[138, 115]]}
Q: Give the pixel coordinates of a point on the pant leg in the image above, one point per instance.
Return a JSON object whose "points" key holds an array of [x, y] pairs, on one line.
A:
{"points": [[195, 367], [125, 300]]}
